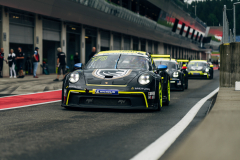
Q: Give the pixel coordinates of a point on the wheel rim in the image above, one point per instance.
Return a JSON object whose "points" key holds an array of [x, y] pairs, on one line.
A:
{"points": [[160, 94], [168, 90]]}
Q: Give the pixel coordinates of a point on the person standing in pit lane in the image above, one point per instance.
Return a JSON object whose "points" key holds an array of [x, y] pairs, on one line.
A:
{"points": [[61, 63], [76, 58], [1, 62], [35, 62], [92, 53], [20, 59], [11, 63]]}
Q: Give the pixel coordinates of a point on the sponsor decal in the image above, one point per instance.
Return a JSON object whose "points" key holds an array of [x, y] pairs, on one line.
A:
{"points": [[121, 101], [132, 88], [105, 91], [89, 100], [111, 73], [142, 89]]}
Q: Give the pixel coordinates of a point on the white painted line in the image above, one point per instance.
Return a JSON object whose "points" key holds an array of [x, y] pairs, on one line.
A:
{"points": [[155, 150], [29, 105], [31, 93]]}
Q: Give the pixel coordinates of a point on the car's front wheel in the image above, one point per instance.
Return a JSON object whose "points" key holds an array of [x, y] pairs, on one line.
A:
{"points": [[168, 94], [159, 97], [182, 85]]}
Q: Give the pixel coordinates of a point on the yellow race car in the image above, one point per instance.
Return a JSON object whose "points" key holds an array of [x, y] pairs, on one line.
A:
{"points": [[200, 69]]}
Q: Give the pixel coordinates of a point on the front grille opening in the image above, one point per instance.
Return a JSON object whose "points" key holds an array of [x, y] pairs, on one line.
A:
{"points": [[105, 101], [108, 76]]}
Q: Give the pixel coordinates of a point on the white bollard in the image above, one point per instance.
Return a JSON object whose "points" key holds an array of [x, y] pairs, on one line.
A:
{"points": [[237, 86]]}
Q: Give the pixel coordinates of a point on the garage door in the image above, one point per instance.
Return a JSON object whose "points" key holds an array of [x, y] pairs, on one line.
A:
{"points": [[105, 39], [116, 42], [20, 34], [51, 35], [127, 43]]}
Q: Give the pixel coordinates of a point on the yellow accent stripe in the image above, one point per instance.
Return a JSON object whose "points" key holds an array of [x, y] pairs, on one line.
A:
{"points": [[226, 44], [121, 92], [106, 85]]}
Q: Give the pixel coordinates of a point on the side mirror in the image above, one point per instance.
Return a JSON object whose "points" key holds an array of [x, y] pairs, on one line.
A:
{"points": [[211, 66], [161, 68], [184, 67], [78, 66]]}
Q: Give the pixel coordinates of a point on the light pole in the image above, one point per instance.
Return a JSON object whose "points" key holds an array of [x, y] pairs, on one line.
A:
{"points": [[234, 21]]}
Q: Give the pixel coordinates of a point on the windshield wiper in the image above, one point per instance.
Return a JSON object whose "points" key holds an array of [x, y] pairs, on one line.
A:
{"points": [[117, 61]]}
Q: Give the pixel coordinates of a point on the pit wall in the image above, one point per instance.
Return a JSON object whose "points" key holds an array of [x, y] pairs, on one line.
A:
{"points": [[229, 64]]}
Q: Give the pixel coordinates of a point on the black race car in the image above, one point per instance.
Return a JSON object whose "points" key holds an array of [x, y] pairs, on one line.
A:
{"points": [[118, 80], [178, 77]]}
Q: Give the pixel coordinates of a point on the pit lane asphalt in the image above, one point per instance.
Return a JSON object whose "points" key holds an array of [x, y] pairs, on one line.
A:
{"points": [[51, 132]]}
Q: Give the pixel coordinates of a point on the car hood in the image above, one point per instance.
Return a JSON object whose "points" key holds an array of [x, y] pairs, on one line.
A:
{"points": [[196, 68], [110, 76], [170, 72]]}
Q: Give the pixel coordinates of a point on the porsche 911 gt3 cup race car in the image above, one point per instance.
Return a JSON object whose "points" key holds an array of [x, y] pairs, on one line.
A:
{"points": [[178, 77], [117, 80], [200, 69]]}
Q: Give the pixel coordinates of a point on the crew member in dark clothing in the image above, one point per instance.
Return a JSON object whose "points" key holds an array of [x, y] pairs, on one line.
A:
{"points": [[61, 63], [20, 60], [93, 53], [1, 61], [76, 58]]}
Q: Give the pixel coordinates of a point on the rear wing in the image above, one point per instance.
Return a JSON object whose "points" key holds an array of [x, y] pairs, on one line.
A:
{"points": [[160, 56], [182, 60]]}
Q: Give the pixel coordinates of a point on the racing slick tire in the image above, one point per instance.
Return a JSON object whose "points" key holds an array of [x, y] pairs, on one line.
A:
{"points": [[186, 85], [182, 86], [168, 94], [159, 104], [211, 77]]}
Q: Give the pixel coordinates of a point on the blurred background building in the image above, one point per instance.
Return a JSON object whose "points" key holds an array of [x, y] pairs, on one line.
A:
{"points": [[156, 26]]}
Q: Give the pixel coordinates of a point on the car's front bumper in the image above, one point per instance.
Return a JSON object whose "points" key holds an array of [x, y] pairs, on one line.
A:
{"points": [[198, 74], [175, 83], [124, 100]]}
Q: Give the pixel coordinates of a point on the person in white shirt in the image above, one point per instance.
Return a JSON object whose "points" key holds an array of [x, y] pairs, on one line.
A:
{"points": [[11, 63]]}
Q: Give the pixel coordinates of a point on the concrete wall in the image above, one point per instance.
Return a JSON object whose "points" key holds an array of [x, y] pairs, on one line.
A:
{"points": [[5, 43], [229, 64], [38, 42]]}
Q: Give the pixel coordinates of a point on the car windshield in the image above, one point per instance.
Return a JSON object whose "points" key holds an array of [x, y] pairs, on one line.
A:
{"points": [[197, 64], [119, 62], [171, 65]]}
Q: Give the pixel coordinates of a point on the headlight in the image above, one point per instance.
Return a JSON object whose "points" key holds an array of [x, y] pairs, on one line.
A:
{"points": [[207, 70], [175, 74], [144, 79], [74, 77]]}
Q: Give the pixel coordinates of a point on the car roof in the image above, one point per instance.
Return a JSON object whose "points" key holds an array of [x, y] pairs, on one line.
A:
{"points": [[125, 52]]}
